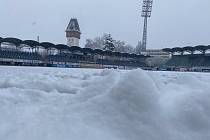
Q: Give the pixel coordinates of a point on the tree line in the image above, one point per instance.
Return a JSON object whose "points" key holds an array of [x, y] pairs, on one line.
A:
{"points": [[106, 42]]}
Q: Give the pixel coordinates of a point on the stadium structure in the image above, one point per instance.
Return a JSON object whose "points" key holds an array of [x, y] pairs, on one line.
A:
{"points": [[14, 51], [197, 58]]}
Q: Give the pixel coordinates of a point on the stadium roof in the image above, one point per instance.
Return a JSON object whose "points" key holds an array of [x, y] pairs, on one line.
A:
{"points": [[61, 47], [31, 43], [11, 40], [47, 45], [191, 49]]}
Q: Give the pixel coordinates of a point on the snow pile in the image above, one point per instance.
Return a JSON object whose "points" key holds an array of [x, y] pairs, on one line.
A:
{"points": [[80, 104]]}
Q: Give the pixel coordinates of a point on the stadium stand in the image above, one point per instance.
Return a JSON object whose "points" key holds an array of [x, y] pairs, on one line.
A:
{"points": [[186, 57], [19, 55], [14, 51], [189, 61]]}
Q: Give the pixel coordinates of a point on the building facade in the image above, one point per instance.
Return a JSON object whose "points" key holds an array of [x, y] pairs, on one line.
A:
{"points": [[158, 57]]}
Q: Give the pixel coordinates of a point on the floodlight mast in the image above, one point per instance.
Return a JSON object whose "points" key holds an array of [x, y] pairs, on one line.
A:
{"points": [[146, 13]]}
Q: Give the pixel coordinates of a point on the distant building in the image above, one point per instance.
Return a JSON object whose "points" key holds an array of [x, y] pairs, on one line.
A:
{"points": [[158, 57], [73, 33]]}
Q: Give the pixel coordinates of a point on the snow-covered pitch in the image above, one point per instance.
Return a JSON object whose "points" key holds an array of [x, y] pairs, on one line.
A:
{"points": [[85, 104]]}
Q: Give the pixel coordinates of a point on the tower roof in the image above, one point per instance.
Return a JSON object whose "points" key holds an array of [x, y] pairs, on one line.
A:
{"points": [[73, 26]]}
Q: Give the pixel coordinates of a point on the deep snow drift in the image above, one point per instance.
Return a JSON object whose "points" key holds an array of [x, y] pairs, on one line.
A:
{"points": [[81, 104]]}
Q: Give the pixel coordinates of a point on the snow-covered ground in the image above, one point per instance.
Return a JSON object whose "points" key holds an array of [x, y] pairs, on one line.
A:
{"points": [[84, 104]]}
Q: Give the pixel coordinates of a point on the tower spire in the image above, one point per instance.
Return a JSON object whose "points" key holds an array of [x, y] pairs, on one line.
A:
{"points": [[73, 33]]}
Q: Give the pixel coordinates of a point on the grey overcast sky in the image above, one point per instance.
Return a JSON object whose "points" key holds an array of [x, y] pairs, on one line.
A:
{"points": [[173, 23]]}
